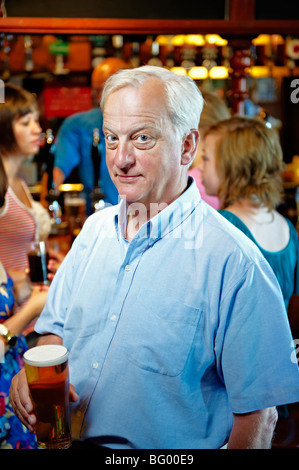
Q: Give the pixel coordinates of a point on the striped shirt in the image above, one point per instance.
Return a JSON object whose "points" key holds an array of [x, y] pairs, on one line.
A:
{"points": [[18, 225]]}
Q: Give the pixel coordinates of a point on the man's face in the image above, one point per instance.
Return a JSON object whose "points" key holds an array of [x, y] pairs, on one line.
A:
{"points": [[143, 156]]}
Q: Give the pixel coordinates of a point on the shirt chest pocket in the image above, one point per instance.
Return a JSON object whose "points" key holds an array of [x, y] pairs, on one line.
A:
{"points": [[160, 335]]}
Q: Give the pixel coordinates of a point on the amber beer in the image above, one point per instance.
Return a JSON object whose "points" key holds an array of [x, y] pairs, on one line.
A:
{"points": [[75, 206], [48, 379], [75, 210]]}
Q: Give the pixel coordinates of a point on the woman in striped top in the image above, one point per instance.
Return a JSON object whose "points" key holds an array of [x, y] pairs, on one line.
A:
{"points": [[21, 219], [12, 347]]}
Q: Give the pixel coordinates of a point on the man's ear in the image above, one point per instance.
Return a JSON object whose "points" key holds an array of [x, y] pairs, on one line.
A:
{"points": [[189, 146]]}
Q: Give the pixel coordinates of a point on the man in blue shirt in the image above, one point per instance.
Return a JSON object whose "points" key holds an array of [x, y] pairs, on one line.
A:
{"points": [[174, 321], [74, 141]]}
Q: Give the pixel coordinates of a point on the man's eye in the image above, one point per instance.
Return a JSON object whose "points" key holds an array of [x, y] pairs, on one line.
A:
{"points": [[142, 138], [144, 141], [111, 140]]}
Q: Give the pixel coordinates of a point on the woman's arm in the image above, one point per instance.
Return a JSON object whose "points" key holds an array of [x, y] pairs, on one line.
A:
{"points": [[18, 322]]}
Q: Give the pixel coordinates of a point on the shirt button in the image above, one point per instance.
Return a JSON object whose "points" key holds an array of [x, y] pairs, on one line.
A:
{"points": [[128, 267], [95, 365], [113, 317]]}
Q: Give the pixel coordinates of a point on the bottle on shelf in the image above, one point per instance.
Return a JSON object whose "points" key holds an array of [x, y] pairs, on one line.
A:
{"points": [[155, 59], [117, 44], [29, 65], [135, 55]]}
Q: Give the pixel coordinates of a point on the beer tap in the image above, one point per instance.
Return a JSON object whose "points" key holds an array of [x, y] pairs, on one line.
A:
{"points": [[53, 194], [97, 195]]}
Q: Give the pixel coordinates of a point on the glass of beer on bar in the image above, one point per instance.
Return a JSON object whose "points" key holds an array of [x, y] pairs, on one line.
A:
{"points": [[48, 379], [75, 204], [38, 258], [75, 210]]}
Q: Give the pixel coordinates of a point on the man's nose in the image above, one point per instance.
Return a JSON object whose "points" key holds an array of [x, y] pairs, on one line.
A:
{"points": [[124, 157]]}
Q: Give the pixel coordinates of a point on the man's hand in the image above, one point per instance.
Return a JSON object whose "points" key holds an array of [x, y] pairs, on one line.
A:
{"points": [[20, 400], [19, 394]]}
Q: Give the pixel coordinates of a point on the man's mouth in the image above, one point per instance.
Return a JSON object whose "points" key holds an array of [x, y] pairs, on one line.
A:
{"points": [[127, 178]]}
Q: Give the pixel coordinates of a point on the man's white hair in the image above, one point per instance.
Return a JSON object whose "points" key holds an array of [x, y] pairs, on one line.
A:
{"points": [[184, 101]]}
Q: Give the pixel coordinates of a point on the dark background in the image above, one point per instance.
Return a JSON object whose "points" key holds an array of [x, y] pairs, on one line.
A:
{"points": [[153, 9]]}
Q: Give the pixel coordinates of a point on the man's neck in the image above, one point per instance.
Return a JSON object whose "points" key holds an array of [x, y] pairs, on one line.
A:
{"points": [[139, 214]]}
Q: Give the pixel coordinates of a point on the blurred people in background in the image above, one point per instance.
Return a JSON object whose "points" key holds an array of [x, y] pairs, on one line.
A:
{"points": [[22, 219], [75, 137], [214, 110], [13, 345], [242, 166], [163, 305]]}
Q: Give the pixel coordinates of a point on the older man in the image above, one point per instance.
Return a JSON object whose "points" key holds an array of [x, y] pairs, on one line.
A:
{"points": [[175, 323]]}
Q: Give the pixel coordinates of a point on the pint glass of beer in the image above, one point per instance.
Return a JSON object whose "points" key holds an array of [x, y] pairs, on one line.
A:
{"points": [[48, 379], [75, 210], [75, 205], [38, 258]]}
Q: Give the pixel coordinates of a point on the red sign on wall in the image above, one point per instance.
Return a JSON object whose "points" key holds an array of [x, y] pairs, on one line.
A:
{"points": [[62, 101]]}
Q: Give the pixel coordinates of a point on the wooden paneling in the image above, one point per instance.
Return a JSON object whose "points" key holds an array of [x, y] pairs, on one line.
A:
{"points": [[143, 26], [241, 11]]}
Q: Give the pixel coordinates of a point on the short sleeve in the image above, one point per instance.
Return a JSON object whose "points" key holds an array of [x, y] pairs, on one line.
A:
{"points": [[256, 357]]}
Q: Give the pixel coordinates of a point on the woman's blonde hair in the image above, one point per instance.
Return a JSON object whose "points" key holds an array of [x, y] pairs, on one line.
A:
{"points": [[214, 110], [249, 162]]}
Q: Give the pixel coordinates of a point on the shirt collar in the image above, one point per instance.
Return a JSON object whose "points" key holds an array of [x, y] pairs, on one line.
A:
{"points": [[167, 220]]}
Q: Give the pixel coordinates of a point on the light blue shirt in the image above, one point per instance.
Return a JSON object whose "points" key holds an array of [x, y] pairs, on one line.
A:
{"points": [[171, 333]]}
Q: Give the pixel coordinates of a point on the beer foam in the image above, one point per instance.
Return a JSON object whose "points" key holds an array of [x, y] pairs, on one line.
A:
{"points": [[46, 355], [75, 201]]}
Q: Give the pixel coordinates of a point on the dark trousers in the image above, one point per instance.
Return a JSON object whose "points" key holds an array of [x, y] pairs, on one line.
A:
{"points": [[88, 444]]}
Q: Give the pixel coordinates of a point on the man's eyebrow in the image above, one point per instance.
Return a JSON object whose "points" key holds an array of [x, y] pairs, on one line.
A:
{"points": [[143, 126], [105, 127]]}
